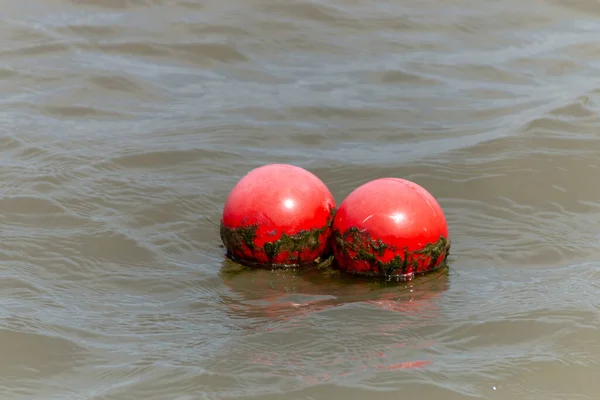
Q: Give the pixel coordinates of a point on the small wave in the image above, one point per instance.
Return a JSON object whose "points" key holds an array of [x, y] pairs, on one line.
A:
{"points": [[200, 54]]}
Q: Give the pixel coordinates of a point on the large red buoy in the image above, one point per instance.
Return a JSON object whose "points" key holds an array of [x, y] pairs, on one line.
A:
{"points": [[277, 215], [390, 227]]}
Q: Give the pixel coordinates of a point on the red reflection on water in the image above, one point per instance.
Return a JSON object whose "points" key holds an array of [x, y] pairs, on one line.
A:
{"points": [[262, 293], [277, 297], [325, 377]]}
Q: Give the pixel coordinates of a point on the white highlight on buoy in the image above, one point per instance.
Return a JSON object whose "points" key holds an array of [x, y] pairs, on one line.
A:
{"points": [[398, 217], [289, 204]]}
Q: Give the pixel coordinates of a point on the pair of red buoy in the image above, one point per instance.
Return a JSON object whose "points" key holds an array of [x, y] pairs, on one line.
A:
{"points": [[281, 215]]}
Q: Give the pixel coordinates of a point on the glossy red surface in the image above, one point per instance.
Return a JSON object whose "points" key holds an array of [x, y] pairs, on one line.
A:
{"points": [[278, 199], [393, 217]]}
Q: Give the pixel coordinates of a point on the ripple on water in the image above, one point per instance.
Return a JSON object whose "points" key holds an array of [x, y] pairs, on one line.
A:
{"points": [[46, 356], [126, 123]]}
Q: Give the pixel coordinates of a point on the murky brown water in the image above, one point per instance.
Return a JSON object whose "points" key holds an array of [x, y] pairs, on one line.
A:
{"points": [[124, 124]]}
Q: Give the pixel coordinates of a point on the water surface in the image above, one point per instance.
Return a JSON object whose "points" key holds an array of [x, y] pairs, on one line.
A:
{"points": [[124, 124]]}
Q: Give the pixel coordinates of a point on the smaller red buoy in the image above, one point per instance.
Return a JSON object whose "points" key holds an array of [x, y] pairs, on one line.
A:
{"points": [[277, 215], [390, 227]]}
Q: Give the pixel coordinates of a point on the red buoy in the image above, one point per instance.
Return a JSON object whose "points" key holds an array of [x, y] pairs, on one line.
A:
{"points": [[390, 227], [277, 215]]}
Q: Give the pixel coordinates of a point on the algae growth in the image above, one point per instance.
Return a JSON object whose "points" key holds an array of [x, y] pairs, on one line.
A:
{"points": [[237, 240], [357, 245]]}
